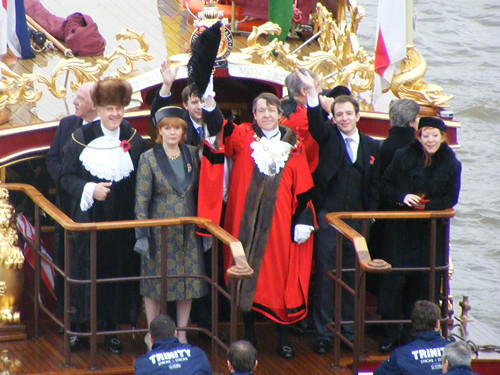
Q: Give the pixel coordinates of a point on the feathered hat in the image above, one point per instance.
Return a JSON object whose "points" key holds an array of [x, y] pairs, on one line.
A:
{"points": [[203, 54]]}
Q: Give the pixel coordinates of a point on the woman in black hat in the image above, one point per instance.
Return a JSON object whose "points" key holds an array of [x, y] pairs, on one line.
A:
{"points": [[167, 180], [423, 176]]}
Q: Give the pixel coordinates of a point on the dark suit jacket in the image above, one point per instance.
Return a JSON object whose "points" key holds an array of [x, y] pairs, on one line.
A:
{"points": [[66, 127], [332, 154], [193, 138]]}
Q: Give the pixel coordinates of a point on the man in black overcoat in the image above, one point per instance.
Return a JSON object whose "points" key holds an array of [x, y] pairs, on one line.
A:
{"points": [[98, 171], [345, 180]]}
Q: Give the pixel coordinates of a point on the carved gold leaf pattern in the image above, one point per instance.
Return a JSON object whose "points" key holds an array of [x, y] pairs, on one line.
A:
{"points": [[20, 88]]}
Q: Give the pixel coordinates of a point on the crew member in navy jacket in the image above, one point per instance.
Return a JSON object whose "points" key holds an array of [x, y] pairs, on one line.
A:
{"points": [[168, 355], [423, 354], [242, 358]]}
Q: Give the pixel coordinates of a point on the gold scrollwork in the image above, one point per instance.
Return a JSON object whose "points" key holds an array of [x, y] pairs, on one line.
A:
{"points": [[341, 60], [19, 88]]}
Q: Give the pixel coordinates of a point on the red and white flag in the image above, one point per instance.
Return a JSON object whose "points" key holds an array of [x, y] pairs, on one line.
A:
{"points": [[390, 46], [28, 231]]}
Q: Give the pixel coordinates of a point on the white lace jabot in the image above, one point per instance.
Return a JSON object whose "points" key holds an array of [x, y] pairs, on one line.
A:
{"points": [[106, 159], [270, 155]]}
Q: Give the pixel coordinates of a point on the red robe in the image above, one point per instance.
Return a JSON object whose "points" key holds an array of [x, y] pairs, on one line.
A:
{"points": [[297, 121], [282, 270]]}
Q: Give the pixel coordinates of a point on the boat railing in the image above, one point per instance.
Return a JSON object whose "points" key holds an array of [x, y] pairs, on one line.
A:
{"points": [[239, 270], [365, 264]]}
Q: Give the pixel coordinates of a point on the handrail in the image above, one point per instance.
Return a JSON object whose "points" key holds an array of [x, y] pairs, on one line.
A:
{"points": [[367, 264], [239, 270]]}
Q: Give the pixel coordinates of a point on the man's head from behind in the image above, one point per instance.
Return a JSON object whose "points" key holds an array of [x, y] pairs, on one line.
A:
{"points": [[425, 316], [241, 357], [457, 353], [84, 107], [404, 112], [161, 327]]}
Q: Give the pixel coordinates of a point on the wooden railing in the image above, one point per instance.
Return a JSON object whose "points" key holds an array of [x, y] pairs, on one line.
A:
{"points": [[239, 270], [365, 264]]}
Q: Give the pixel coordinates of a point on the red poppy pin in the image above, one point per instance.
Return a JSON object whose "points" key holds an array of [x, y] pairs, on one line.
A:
{"points": [[125, 145], [372, 159]]}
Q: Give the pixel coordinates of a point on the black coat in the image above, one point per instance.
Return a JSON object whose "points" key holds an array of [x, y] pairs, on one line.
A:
{"points": [[406, 242], [399, 137], [332, 154], [115, 254]]}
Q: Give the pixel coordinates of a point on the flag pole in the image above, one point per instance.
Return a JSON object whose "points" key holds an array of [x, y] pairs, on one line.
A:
{"points": [[409, 23]]}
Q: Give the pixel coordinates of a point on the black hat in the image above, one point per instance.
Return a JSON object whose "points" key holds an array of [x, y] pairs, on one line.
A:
{"points": [[337, 91], [431, 122], [170, 111]]}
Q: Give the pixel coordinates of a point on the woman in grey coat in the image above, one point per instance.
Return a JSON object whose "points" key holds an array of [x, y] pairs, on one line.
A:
{"points": [[167, 180]]}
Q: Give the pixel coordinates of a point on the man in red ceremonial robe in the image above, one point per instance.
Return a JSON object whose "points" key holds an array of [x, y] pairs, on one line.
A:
{"points": [[269, 210]]}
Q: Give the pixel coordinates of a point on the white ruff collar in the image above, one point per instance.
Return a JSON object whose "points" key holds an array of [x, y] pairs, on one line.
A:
{"points": [[104, 158], [270, 155]]}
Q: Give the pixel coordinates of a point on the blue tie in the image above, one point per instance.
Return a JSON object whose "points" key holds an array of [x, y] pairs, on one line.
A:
{"points": [[349, 149], [200, 132]]}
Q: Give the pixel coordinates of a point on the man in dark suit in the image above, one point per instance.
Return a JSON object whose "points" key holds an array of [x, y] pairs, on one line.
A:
{"points": [[190, 100], [85, 112], [345, 180]]}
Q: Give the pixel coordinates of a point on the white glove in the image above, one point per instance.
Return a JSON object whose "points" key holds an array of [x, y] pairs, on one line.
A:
{"points": [[302, 233], [142, 247], [210, 89]]}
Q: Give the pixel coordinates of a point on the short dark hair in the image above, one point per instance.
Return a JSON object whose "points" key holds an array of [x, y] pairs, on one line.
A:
{"points": [[270, 99], [345, 99], [242, 355], [187, 92], [338, 91], [457, 353], [161, 327], [424, 316]]}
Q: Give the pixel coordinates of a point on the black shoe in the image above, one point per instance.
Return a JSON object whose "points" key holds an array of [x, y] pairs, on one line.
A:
{"points": [[113, 344], [322, 346], [77, 343], [388, 346], [286, 352]]}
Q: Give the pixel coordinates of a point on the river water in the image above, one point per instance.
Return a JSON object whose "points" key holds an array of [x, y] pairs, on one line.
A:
{"points": [[460, 40]]}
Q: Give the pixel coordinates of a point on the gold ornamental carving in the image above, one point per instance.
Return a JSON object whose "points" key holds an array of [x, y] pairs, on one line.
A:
{"points": [[409, 83], [11, 263], [340, 60], [20, 88], [8, 366]]}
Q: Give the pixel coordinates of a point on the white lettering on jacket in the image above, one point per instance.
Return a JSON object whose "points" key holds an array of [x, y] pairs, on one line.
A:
{"points": [[427, 353], [167, 357]]}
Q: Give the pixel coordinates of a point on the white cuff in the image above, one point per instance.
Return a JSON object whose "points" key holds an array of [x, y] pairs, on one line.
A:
{"points": [[312, 101], [209, 109], [209, 91], [87, 199]]}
